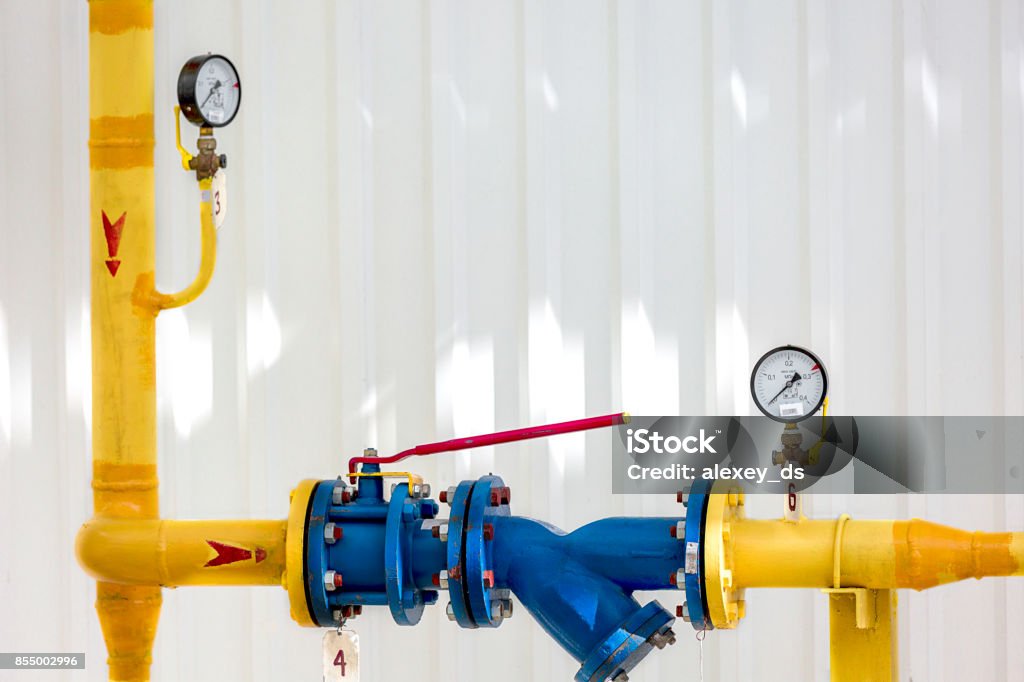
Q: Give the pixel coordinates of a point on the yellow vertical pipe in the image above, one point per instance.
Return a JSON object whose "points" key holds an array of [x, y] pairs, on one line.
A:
{"points": [[122, 236]]}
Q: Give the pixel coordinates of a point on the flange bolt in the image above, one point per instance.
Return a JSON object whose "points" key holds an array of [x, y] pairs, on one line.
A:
{"points": [[500, 496], [332, 533], [440, 531], [332, 580], [450, 611]]}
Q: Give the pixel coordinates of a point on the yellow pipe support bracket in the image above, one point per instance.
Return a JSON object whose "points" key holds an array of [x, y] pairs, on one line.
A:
{"points": [[837, 551], [862, 636]]}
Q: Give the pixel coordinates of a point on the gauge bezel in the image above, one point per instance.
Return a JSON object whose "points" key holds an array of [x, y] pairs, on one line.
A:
{"points": [[824, 384], [187, 90]]}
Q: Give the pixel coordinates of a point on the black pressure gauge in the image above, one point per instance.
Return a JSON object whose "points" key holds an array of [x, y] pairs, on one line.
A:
{"points": [[789, 384], [209, 90]]}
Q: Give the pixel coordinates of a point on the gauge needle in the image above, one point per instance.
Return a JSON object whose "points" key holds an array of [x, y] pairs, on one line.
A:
{"points": [[789, 384], [216, 86]]}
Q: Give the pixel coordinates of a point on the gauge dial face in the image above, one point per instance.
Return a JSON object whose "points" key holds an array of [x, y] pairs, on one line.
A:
{"points": [[788, 384], [209, 90]]}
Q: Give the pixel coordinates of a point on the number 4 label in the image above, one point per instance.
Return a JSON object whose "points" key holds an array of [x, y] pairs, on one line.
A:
{"points": [[341, 656]]}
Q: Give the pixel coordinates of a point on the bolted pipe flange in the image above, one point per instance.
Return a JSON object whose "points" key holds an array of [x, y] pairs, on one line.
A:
{"points": [[725, 602], [692, 579]]}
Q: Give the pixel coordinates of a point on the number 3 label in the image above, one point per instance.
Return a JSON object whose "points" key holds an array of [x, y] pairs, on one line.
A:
{"points": [[220, 198]]}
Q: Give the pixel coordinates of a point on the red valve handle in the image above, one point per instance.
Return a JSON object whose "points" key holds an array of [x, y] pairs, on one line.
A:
{"points": [[497, 438]]}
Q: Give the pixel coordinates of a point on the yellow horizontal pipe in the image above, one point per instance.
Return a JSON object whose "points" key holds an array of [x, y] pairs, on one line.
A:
{"points": [[874, 554], [177, 553]]}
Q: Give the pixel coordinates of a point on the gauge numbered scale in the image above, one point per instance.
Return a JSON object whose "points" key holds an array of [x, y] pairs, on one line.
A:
{"points": [[209, 91], [789, 384]]}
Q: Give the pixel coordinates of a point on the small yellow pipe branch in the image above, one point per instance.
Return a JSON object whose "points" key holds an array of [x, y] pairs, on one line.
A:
{"points": [[207, 259]]}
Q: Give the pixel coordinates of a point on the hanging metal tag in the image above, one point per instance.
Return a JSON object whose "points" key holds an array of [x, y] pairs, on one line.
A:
{"points": [[219, 198], [692, 557], [341, 656]]}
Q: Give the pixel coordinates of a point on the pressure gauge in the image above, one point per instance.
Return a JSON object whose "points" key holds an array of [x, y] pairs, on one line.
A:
{"points": [[209, 91], [788, 384]]}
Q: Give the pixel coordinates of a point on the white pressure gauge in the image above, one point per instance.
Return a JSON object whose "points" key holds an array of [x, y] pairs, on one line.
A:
{"points": [[209, 90], [789, 384]]}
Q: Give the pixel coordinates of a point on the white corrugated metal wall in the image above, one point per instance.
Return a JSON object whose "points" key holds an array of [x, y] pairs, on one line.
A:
{"points": [[450, 217]]}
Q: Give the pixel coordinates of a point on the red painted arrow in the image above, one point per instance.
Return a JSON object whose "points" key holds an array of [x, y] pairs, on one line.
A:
{"points": [[112, 232], [227, 554]]}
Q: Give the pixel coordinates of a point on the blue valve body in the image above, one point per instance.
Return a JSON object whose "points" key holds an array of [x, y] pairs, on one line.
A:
{"points": [[579, 586]]}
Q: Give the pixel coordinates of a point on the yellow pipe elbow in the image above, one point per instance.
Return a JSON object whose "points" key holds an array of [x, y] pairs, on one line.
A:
{"points": [[178, 553]]}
